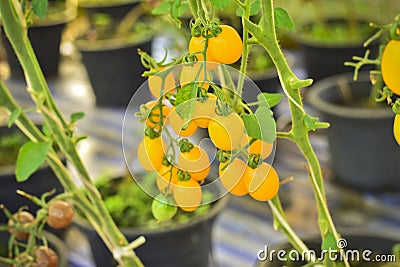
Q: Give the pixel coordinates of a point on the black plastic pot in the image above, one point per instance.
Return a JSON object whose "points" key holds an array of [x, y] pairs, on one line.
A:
{"points": [[324, 60], [46, 44], [54, 243], [377, 243], [183, 245], [45, 36], [114, 70], [43, 180], [363, 151]]}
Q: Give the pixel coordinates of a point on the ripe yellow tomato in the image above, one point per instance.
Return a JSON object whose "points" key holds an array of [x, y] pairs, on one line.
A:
{"points": [[153, 113], [150, 153], [396, 128], [390, 66], [155, 82], [262, 182], [196, 45], [257, 147], [188, 195], [227, 47], [177, 124], [232, 177], [204, 110], [226, 131], [195, 73], [196, 160], [166, 176]]}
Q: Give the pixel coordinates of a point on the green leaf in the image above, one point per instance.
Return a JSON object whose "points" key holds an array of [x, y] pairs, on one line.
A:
{"points": [[254, 9], [219, 4], [162, 8], [282, 19], [329, 242], [310, 122], [272, 99], [77, 116], [46, 129], [30, 157], [14, 116], [185, 101], [252, 126], [267, 124], [39, 8]]}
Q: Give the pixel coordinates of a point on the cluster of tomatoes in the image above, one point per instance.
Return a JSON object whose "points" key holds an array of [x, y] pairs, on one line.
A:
{"points": [[22, 225], [390, 66], [180, 173]]}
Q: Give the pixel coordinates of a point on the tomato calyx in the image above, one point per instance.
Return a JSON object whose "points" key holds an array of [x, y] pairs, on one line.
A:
{"points": [[183, 176], [209, 30], [396, 107], [254, 161], [185, 145]]}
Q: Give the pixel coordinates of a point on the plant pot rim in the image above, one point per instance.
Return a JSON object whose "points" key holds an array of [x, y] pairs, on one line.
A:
{"points": [[59, 247], [215, 208], [105, 3], [314, 99], [109, 44], [62, 17], [310, 42]]}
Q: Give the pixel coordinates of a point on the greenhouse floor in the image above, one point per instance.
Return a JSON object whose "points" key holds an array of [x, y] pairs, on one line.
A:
{"points": [[245, 226]]}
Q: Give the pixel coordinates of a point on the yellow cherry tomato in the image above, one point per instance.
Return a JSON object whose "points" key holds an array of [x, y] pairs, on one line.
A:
{"points": [[390, 66], [262, 182], [195, 73], [167, 176], [226, 47], [177, 124], [155, 82], [196, 160], [188, 195], [257, 147], [204, 111], [232, 177], [396, 128], [226, 131], [150, 153]]}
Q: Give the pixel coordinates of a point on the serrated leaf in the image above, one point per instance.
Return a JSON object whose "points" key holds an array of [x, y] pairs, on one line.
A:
{"points": [[254, 9], [282, 19], [39, 8], [184, 105], [219, 4], [267, 124], [162, 8], [77, 116], [30, 157], [272, 99], [310, 122], [14, 116], [252, 126]]}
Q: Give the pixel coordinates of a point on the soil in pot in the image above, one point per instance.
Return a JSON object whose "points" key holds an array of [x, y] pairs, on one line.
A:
{"points": [[183, 241], [356, 241], [324, 49], [43, 180], [45, 36], [363, 151], [54, 243]]}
